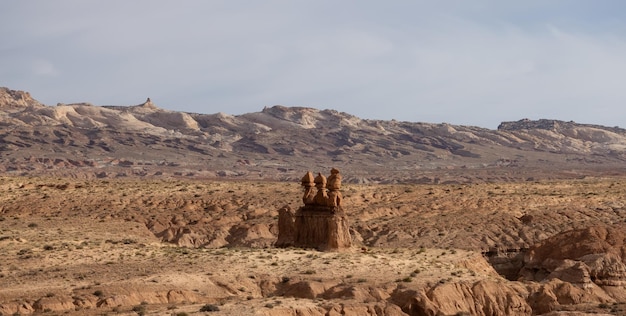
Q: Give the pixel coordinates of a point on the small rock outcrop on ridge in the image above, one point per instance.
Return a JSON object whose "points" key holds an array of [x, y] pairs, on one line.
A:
{"points": [[321, 223]]}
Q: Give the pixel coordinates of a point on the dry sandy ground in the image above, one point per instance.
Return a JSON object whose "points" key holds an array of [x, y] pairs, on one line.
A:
{"points": [[84, 247], [78, 257]]}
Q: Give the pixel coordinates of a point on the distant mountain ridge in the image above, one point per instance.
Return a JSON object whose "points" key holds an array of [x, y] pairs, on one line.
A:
{"points": [[279, 142]]}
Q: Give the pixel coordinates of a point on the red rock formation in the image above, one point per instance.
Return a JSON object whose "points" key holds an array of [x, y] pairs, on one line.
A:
{"points": [[580, 256], [321, 228], [480, 298], [581, 266], [321, 223], [286, 227]]}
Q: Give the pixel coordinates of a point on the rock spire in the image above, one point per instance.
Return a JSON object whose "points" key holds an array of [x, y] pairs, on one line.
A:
{"points": [[321, 223]]}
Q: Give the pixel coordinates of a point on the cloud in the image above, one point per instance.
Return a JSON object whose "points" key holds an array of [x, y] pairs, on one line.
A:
{"points": [[472, 63], [43, 68]]}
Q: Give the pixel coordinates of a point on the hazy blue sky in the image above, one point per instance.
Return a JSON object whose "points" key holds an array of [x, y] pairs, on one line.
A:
{"points": [[462, 62]]}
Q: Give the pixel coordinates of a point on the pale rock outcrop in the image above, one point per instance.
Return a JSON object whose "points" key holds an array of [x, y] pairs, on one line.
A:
{"points": [[16, 308], [479, 298], [579, 266], [16, 99], [54, 303], [546, 297], [136, 296], [294, 311], [306, 289], [183, 237], [583, 256], [370, 309], [606, 269]]}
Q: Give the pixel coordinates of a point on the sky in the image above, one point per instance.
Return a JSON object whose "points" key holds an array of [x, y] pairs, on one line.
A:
{"points": [[465, 62]]}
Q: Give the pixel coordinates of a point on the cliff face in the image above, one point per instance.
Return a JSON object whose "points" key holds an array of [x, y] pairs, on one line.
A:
{"points": [[319, 228], [278, 142]]}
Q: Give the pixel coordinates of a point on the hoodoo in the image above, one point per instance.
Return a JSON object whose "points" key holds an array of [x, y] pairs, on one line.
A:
{"points": [[321, 223]]}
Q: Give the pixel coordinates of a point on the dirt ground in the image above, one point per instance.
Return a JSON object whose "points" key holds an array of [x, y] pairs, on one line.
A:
{"points": [[89, 247]]}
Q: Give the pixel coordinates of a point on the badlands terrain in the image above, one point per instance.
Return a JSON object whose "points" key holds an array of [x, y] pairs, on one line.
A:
{"points": [[166, 247], [126, 210]]}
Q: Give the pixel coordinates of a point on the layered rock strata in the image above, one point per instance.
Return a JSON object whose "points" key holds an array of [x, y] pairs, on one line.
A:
{"points": [[321, 223]]}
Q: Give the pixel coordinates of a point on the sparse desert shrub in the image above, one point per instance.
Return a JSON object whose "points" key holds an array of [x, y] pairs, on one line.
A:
{"points": [[139, 309], [24, 252], [407, 279], [181, 314], [309, 272], [98, 293], [209, 308], [32, 225]]}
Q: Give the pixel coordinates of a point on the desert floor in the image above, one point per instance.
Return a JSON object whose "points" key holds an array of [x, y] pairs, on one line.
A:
{"points": [[88, 247]]}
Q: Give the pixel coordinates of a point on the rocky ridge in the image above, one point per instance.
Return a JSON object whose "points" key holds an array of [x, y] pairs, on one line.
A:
{"points": [[84, 140]]}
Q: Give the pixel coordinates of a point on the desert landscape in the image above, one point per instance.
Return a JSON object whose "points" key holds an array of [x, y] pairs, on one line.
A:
{"points": [[132, 210]]}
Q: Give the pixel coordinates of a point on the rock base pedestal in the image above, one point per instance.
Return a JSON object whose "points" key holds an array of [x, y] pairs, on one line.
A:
{"points": [[313, 226]]}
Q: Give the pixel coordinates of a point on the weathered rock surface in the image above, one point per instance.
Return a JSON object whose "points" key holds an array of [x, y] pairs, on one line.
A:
{"points": [[317, 227], [479, 298], [593, 254], [579, 266], [549, 296], [321, 223], [286, 227], [83, 140], [128, 296]]}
